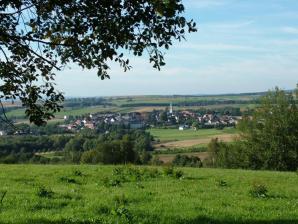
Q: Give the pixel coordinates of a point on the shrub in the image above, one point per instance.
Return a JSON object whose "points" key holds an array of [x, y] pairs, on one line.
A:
{"points": [[153, 173], [156, 161], [168, 171], [222, 183], [102, 209], [111, 182], [91, 156], [134, 173], [43, 192], [259, 190], [178, 174], [120, 199], [184, 160], [77, 173], [55, 160], [122, 215], [118, 171], [68, 180]]}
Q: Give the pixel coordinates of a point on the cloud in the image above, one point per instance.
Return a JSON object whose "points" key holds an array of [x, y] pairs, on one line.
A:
{"points": [[245, 75], [207, 3], [290, 30], [284, 43], [222, 47], [230, 25]]}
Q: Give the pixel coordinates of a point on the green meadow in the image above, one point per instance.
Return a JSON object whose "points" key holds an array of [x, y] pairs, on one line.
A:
{"points": [[129, 194], [188, 134]]}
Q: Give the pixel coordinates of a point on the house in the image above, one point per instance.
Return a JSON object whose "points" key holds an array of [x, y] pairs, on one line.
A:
{"points": [[89, 125], [78, 122], [72, 127], [136, 125], [2, 133], [183, 127]]}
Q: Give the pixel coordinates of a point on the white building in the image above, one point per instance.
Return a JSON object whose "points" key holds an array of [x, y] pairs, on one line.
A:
{"points": [[2, 133]]}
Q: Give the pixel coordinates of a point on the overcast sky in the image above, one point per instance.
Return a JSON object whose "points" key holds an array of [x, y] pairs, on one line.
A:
{"points": [[241, 46]]}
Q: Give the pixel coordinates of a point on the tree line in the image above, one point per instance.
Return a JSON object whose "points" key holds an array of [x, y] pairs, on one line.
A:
{"points": [[115, 147], [193, 103]]}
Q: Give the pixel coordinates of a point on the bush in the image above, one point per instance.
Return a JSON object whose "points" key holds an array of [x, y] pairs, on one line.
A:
{"points": [[153, 173], [259, 190], [122, 215], [184, 160], [91, 156], [68, 180], [111, 182], [227, 155], [120, 212], [178, 174], [168, 171], [156, 161], [43, 192], [222, 183], [77, 173], [120, 200]]}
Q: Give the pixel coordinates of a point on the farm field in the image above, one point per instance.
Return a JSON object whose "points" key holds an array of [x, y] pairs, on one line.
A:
{"points": [[196, 142], [242, 107], [148, 103], [171, 135], [116, 194], [20, 113], [179, 99]]}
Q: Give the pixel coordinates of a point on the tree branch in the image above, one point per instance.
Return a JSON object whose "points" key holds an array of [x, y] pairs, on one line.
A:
{"points": [[5, 119], [4, 53], [47, 43], [16, 12]]}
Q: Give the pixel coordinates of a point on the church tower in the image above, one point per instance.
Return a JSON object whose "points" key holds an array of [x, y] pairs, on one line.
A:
{"points": [[171, 108]]}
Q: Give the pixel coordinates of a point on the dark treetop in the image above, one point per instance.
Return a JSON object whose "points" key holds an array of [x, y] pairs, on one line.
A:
{"points": [[39, 37]]}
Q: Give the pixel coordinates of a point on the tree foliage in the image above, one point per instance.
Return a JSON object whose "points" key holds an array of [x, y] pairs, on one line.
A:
{"points": [[39, 38], [272, 132], [269, 138]]}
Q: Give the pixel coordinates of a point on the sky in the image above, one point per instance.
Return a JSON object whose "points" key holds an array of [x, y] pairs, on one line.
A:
{"points": [[241, 46]]}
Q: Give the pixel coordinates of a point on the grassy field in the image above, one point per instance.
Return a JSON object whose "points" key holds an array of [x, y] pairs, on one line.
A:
{"points": [[96, 194], [177, 135], [20, 113]]}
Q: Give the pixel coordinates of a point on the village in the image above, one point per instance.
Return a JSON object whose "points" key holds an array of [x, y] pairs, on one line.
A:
{"points": [[182, 120]]}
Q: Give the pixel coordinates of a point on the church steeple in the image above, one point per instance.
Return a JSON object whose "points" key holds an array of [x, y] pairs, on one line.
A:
{"points": [[171, 108]]}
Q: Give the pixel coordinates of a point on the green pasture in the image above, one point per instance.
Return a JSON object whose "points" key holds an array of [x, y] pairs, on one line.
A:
{"points": [[177, 135], [51, 194]]}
